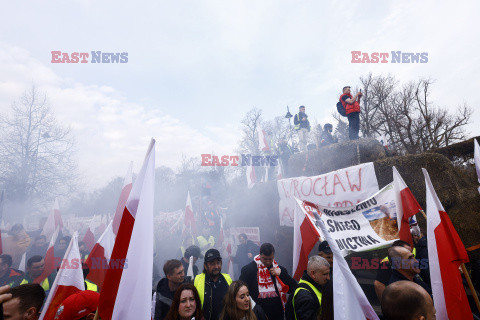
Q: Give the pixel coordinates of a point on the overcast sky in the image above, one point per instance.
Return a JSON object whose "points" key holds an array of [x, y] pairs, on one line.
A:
{"points": [[196, 67]]}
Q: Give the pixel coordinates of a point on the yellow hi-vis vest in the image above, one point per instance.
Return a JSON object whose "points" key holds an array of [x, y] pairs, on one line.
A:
{"points": [[45, 284], [199, 283], [91, 286], [318, 293], [297, 126]]}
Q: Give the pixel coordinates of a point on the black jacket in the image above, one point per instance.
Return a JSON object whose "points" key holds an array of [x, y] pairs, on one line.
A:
{"points": [[243, 250], [422, 256], [213, 298], [307, 306], [397, 276], [272, 306], [298, 119], [163, 300]]}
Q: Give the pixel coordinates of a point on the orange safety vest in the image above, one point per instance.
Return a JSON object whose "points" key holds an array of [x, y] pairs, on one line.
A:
{"points": [[349, 108]]}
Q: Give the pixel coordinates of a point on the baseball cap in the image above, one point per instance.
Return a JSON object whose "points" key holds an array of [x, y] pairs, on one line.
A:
{"points": [[212, 254], [78, 305], [324, 247], [193, 251]]}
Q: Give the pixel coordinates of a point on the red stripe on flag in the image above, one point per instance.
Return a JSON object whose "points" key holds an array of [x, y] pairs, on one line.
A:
{"points": [[309, 239], [49, 266], [410, 208], [96, 262], [114, 275], [452, 253], [62, 293], [122, 201]]}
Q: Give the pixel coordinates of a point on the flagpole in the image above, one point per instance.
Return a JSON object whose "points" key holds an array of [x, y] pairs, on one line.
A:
{"points": [[466, 274]]}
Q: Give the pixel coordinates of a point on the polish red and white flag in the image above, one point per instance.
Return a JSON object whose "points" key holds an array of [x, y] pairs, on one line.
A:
{"points": [[49, 259], [189, 216], [406, 207], [305, 236], [127, 288], [99, 257], [262, 140], [122, 200], [349, 300], [68, 281], [54, 221], [446, 253]]}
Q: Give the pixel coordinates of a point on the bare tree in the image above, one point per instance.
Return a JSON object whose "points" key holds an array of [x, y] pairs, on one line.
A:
{"points": [[407, 118], [36, 153], [249, 142]]}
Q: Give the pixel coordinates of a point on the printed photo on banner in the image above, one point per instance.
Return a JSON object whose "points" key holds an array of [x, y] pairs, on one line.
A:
{"points": [[341, 188], [370, 224]]}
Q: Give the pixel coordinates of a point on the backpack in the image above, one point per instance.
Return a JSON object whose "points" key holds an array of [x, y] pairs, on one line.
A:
{"points": [[341, 109]]}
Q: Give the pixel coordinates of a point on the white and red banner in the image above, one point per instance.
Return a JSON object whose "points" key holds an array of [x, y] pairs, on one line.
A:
{"points": [[69, 280], [99, 257], [407, 207], [349, 299], [122, 200], [370, 224], [341, 188], [127, 288], [445, 254]]}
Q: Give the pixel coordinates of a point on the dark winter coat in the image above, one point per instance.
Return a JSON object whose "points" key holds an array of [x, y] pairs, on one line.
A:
{"points": [[242, 253], [272, 306]]}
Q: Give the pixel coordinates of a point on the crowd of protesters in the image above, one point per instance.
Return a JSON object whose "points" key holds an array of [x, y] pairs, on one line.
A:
{"points": [[264, 289]]}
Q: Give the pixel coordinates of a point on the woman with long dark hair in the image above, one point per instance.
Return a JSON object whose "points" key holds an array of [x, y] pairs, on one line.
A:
{"points": [[237, 304], [186, 304]]}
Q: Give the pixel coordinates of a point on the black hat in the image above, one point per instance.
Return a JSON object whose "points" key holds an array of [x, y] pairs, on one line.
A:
{"points": [[193, 251], [324, 247], [212, 254]]}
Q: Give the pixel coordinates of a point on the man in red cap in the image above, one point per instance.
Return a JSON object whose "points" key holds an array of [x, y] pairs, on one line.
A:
{"points": [[79, 306]]}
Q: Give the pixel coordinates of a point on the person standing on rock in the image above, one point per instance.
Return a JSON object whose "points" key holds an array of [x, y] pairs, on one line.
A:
{"points": [[302, 125], [352, 109]]}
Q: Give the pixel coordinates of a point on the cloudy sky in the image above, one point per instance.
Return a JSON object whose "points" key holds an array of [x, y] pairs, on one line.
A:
{"points": [[196, 67]]}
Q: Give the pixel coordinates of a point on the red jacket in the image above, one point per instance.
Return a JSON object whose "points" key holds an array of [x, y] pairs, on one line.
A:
{"points": [[354, 107]]}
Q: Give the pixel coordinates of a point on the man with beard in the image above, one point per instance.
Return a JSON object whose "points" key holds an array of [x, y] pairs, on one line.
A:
{"points": [[212, 285], [268, 282]]}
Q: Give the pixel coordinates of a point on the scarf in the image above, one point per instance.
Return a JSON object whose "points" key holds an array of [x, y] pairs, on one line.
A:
{"points": [[266, 288]]}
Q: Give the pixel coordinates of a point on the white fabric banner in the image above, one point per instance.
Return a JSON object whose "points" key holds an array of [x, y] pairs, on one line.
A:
{"points": [[371, 224], [341, 188]]}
